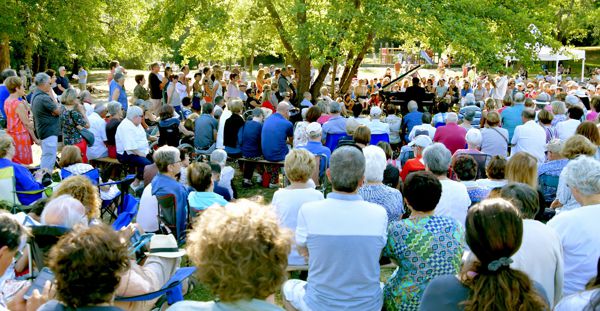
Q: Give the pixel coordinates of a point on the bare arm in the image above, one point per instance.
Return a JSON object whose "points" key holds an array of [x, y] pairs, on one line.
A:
{"points": [[303, 251], [116, 94], [24, 117]]}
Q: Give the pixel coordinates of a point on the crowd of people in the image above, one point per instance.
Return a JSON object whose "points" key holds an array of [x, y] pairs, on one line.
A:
{"points": [[484, 197]]}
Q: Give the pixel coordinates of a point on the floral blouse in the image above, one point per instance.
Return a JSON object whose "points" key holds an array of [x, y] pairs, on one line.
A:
{"points": [[69, 120]]}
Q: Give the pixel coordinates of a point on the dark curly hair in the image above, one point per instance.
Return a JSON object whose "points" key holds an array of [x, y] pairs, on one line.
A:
{"points": [[422, 190], [465, 167], [87, 264]]}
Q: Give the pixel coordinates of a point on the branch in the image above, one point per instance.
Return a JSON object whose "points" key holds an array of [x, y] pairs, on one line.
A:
{"points": [[283, 35]]}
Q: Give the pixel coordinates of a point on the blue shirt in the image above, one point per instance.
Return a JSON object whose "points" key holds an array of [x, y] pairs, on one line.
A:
{"points": [[3, 96], [164, 185], [511, 118], [335, 125], [273, 137], [317, 148], [204, 129], [306, 103], [250, 139], [24, 182], [122, 95], [410, 120], [200, 201]]}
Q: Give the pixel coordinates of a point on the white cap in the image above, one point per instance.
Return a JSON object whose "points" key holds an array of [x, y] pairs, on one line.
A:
{"points": [[375, 111], [571, 100], [421, 141], [313, 129]]}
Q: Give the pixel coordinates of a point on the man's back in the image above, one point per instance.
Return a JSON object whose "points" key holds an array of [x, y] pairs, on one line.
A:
{"points": [[42, 108], [511, 118], [154, 84], [204, 129], [275, 132], [452, 136], [415, 93], [344, 236]]}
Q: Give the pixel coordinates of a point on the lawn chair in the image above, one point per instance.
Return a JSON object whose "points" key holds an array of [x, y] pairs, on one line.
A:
{"points": [[375, 138], [173, 289], [8, 190], [127, 213], [318, 175], [548, 183], [93, 175], [170, 219], [331, 141]]}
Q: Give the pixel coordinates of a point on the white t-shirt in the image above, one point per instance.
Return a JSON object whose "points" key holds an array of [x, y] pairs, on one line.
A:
{"points": [[147, 216], [579, 234], [577, 301], [567, 128], [454, 202], [541, 241], [98, 128], [286, 203], [501, 86], [131, 137], [531, 138], [221, 130], [181, 89], [378, 127], [422, 127]]}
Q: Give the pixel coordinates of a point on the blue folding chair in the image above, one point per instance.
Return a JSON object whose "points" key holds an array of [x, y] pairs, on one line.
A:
{"points": [[548, 183], [93, 175], [331, 141], [126, 213], [173, 289], [375, 138]]}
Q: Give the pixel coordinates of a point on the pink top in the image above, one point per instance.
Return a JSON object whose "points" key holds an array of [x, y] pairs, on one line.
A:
{"points": [[324, 118], [592, 116], [452, 136]]}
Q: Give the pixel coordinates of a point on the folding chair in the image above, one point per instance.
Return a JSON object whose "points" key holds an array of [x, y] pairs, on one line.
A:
{"points": [[548, 183], [170, 219], [318, 175], [127, 213], [173, 289], [117, 203], [41, 240], [375, 138], [331, 141], [8, 190]]}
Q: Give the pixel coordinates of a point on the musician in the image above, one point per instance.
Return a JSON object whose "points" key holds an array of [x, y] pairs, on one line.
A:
{"points": [[416, 93]]}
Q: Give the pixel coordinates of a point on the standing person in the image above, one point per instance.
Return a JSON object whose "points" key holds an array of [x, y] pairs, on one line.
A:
{"points": [[3, 90], [72, 120], [173, 96], [341, 228], [83, 75], [18, 124], [217, 88], [500, 86], [140, 92], [46, 116], [155, 87], [117, 90], [232, 89], [112, 67], [62, 81]]}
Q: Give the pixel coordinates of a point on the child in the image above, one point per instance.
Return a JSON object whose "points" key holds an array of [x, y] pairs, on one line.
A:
{"points": [[216, 176], [199, 177], [219, 156]]}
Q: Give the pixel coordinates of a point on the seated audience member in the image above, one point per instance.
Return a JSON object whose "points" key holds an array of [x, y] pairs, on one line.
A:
{"points": [[250, 145], [578, 229], [566, 129], [98, 128], [511, 116], [232, 128], [586, 300], [205, 130], [132, 145], [522, 168], [336, 123], [539, 241], [545, 118], [299, 165], [277, 131], [227, 173], [216, 176], [243, 264], [439, 119], [468, 118], [473, 139], [391, 174], [395, 124], [423, 246], [323, 106], [64, 211], [200, 179], [494, 139], [455, 198], [373, 190], [425, 126], [590, 131], [465, 168], [376, 126], [494, 232], [309, 115], [185, 152], [170, 127], [575, 146], [412, 118], [451, 135], [362, 136], [495, 173], [315, 146], [168, 161], [71, 161], [24, 180], [529, 137], [418, 144], [552, 167], [147, 216], [343, 216], [82, 189], [351, 126], [116, 116], [87, 258]]}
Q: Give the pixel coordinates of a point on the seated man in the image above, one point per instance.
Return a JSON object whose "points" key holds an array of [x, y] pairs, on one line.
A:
{"points": [[314, 144], [529, 137], [336, 123], [343, 237], [412, 118], [451, 135], [202, 196], [165, 183], [205, 130], [250, 144], [376, 126], [132, 145], [416, 164], [425, 126], [276, 132]]}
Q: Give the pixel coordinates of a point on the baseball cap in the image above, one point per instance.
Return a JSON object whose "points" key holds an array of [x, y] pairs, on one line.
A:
{"points": [[542, 98], [421, 141], [571, 100], [313, 129]]}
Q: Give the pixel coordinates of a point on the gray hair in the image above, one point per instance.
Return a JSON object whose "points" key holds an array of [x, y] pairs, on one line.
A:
{"points": [[69, 97], [61, 68], [134, 111], [375, 163], [554, 146], [85, 94], [437, 158], [558, 107], [335, 107], [257, 113], [64, 211], [41, 78], [164, 156], [473, 137], [412, 106], [452, 117], [323, 106], [218, 156], [99, 108], [342, 178], [283, 107], [7, 73], [114, 107], [519, 97], [583, 174]]}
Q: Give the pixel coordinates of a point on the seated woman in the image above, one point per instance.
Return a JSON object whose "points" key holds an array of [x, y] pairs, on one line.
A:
{"points": [[424, 245], [64, 211], [116, 113], [465, 168], [87, 258], [391, 174], [495, 173], [200, 179], [373, 190], [170, 128], [219, 157], [298, 167], [24, 180], [82, 189], [439, 119], [552, 167], [362, 136], [494, 232], [71, 161], [232, 127], [242, 264]]}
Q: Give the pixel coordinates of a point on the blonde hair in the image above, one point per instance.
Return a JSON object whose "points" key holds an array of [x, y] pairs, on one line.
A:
{"points": [[522, 167], [236, 106], [299, 165], [6, 141], [70, 155], [241, 251], [578, 145], [81, 188]]}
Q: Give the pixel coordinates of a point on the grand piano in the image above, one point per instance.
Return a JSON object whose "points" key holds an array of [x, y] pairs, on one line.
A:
{"points": [[399, 98]]}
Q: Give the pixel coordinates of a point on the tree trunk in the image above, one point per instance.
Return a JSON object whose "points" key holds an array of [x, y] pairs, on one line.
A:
{"points": [[315, 88], [356, 63], [4, 51], [251, 62], [333, 75], [346, 71]]}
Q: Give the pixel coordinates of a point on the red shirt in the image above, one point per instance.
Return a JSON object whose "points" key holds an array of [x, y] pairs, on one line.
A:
{"points": [[410, 166], [452, 136]]}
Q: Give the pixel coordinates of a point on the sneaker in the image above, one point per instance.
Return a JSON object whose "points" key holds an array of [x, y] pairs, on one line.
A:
{"points": [[273, 186], [247, 184]]}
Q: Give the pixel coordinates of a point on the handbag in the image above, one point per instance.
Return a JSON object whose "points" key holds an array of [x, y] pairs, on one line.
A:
{"points": [[85, 133]]}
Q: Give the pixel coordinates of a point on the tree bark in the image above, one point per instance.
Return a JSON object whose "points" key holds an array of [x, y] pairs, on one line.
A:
{"points": [[356, 63], [315, 88], [346, 71], [4, 51], [333, 75]]}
